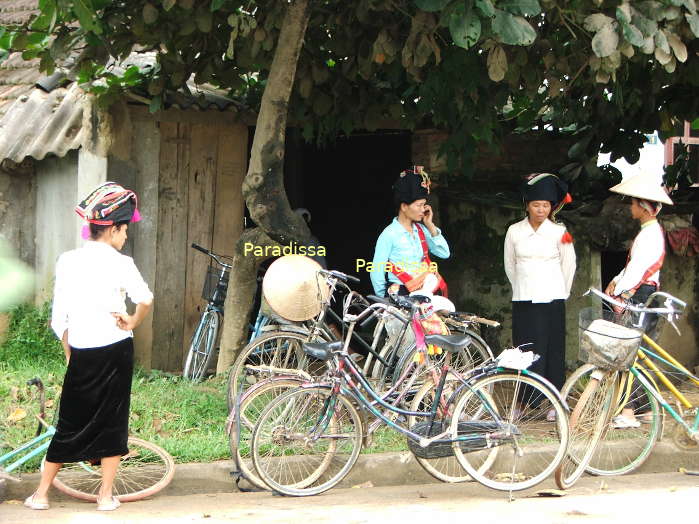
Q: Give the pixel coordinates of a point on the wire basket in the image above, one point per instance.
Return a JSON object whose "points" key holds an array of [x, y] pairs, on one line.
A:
{"points": [[211, 284], [607, 340]]}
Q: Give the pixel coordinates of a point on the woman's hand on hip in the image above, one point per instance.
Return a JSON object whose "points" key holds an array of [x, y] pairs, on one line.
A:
{"points": [[124, 321]]}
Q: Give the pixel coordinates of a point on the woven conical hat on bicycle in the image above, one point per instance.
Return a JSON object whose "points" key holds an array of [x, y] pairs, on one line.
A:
{"points": [[294, 289], [643, 185]]}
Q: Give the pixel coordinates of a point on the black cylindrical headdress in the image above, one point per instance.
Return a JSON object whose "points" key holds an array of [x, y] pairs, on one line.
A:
{"points": [[413, 184]]}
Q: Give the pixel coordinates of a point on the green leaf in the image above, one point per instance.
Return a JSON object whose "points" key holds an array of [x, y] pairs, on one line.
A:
{"points": [[431, 5], [693, 21], [169, 4], [322, 103], [465, 28], [647, 26], [87, 16], [596, 21], [486, 8], [512, 30], [217, 4], [497, 63], [150, 14], [661, 42], [695, 124], [521, 7], [204, 20], [632, 34], [605, 41]]}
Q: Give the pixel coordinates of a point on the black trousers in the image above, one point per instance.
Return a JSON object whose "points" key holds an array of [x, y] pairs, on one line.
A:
{"points": [[543, 327]]}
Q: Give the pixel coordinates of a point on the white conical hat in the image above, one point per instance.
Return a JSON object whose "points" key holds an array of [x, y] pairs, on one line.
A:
{"points": [[294, 289], [643, 185]]}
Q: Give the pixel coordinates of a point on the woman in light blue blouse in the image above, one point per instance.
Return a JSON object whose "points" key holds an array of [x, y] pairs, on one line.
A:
{"points": [[402, 261]]}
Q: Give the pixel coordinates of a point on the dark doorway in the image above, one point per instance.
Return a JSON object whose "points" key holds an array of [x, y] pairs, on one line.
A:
{"points": [[612, 263], [347, 188]]}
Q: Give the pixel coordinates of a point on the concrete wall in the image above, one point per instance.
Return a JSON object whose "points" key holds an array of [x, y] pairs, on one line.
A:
{"points": [[679, 278], [58, 227], [17, 204]]}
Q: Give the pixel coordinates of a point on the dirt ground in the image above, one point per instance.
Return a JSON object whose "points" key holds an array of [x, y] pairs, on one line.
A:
{"points": [[634, 498]]}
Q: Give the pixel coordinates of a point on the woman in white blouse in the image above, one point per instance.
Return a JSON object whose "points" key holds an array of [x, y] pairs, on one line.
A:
{"points": [[540, 265], [89, 316]]}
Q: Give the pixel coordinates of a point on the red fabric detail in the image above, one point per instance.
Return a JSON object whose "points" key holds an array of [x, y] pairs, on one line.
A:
{"points": [[567, 238], [568, 199], [406, 277], [684, 241]]}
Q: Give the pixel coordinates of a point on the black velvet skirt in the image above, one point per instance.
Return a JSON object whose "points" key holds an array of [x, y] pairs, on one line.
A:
{"points": [[93, 418]]}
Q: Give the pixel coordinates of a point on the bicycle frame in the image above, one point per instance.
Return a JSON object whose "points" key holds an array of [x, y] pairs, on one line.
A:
{"points": [[692, 430], [39, 444]]}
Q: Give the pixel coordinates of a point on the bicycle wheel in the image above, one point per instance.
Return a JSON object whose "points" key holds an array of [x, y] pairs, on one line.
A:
{"points": [[306, 441], [202, 347], [144, 471], [619, 451], [470, 357], [446, 468], [528, 448], [587, 422], [277, 349], [252, 404]]}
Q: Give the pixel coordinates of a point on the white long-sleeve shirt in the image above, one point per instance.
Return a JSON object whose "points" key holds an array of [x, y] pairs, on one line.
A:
{"points": [[539, 265], [647, 249], [91, 284]]}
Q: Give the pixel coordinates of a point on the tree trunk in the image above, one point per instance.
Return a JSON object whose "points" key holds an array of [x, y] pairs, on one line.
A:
{"points": [[263, 187]]}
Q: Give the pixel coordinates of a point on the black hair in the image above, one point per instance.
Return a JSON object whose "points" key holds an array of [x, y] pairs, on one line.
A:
{"points": [[97, 230]]}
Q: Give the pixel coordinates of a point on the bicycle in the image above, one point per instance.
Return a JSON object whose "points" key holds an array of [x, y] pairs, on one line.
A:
{"points": [[601, 389], [143, 472], [321, 421], [201, 348]]}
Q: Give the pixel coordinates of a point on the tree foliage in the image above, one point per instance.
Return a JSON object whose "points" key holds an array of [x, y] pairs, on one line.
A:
{"points": [[607, 70]]}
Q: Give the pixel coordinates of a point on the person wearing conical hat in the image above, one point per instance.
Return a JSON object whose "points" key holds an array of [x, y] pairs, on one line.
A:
{"points": [[641, 274], [89, 317], [540, 265], [402, 261]]}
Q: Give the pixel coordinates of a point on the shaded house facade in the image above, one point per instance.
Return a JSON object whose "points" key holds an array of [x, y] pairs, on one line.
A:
{"points": [[186, 163], [475, 218]]}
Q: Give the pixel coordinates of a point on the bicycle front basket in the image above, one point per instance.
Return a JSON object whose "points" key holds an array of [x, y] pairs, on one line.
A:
{"points": [[606, 341], [210, 284]]}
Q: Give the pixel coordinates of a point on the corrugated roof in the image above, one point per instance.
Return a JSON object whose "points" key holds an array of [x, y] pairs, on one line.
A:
{"points": [[17, 12], [41, 123], [17, 76]]}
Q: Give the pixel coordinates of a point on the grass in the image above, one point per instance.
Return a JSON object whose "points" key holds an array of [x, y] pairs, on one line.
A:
{"points": [[186, 419]]}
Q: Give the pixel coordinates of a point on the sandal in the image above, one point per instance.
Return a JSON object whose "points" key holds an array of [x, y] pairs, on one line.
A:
{"points": [[108, 505], [32, 504]]}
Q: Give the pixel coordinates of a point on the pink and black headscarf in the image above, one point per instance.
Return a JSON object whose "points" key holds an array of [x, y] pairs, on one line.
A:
{"points": [[107, 205]]}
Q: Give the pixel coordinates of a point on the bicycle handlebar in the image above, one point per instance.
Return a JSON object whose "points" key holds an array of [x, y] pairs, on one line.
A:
{"points": [[339, 274], [668, 310], [213, 255]]}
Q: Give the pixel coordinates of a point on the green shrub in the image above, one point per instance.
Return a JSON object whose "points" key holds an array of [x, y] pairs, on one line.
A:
{"points": [[30, 338]]}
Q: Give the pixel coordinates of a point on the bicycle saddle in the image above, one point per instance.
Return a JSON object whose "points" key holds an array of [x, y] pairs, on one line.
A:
{"points": [[451, 343], [322, 350]]}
